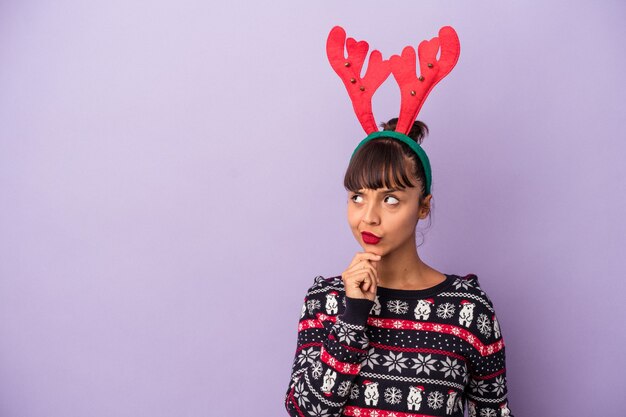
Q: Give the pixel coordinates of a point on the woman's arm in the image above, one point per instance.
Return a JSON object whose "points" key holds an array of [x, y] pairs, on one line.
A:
{"points": [[327, 359], [487, 390]]}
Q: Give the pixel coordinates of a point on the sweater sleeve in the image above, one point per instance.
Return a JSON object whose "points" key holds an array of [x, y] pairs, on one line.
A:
{"points": [[329, 352], [487, 390]]}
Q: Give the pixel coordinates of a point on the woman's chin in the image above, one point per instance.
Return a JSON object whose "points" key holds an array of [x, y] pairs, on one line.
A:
{"points": [[372, 249]]}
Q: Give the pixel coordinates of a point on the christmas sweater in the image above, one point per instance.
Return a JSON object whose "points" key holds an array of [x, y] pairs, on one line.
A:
{"points": [[409, 353]]}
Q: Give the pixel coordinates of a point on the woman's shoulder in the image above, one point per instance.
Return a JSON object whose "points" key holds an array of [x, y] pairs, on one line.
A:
{"points": [[325, 289], [326, 284], [470, 286]]}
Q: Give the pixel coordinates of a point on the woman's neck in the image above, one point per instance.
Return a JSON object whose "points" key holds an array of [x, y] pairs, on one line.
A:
{"points": [[403, 269]]}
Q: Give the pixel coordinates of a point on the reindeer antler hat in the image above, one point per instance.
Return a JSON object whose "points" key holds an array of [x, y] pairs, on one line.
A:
{"points": [[413, 88]]}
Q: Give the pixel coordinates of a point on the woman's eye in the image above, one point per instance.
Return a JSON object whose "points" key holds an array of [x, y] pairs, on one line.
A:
{"points": [[354, 197], [394, 200]]}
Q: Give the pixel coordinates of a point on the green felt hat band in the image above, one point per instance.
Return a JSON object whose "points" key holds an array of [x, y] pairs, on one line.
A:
{"points": [[406, 139]]}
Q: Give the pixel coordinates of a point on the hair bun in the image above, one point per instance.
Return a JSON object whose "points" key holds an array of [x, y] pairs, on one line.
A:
{"points": [[418, 132]]}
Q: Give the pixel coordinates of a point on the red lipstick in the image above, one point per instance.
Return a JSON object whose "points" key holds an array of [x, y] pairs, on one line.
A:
{"points": [[369, 238]]}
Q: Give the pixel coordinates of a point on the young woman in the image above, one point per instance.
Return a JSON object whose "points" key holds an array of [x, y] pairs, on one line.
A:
{"points": [[392, 336]]}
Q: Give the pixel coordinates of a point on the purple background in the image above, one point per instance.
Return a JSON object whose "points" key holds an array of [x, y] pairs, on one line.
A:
{"points": [[171, 183]]}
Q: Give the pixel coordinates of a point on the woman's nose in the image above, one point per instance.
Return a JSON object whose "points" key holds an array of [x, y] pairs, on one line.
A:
{"points": [[370, 216]]}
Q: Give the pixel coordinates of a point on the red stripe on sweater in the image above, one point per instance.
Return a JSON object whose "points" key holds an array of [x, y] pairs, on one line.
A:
{"points": [[315, 323], [400, 324], [337, 365], [351, 410], [419, 350], [493, 375]]}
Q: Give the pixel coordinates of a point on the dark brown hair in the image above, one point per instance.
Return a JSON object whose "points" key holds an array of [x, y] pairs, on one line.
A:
{"points": [[388, 162]]}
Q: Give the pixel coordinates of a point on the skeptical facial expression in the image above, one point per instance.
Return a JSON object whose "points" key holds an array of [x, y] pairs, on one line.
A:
{"points": [[389, 214]]}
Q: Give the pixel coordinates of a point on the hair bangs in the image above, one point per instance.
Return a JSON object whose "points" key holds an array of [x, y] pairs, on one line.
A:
{"points": [[379, 164]]}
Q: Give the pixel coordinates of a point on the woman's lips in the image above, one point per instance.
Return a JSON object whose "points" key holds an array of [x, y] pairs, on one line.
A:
{"points": [[369, 238]]}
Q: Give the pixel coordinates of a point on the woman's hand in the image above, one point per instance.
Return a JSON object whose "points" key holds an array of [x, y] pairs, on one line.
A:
{"points": [[360, 279]]}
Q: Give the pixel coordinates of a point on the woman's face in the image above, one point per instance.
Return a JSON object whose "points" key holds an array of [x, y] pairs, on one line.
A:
{"points": [[390, 214]]}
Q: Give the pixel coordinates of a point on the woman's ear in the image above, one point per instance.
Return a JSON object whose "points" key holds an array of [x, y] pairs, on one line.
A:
{"points": [[424, 208]]}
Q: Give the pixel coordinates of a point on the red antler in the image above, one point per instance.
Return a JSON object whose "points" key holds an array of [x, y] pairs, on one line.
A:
{"points": [[359, 89], [413, 89]]}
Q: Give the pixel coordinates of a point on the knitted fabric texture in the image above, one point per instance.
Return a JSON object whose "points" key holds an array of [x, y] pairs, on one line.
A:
{"points": [[409, 353]]}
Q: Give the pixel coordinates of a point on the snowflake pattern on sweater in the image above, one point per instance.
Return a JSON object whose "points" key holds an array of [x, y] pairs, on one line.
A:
{"points": [[409, 353]]}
